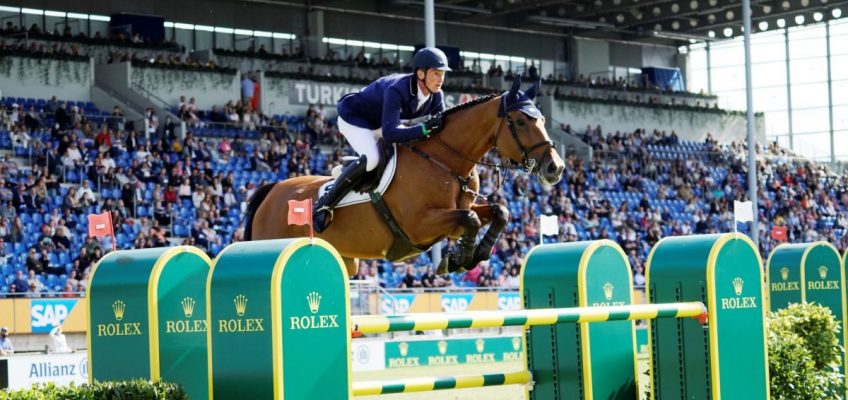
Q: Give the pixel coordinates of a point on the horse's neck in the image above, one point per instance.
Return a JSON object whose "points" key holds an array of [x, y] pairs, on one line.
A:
{"points": [[470, 132]]}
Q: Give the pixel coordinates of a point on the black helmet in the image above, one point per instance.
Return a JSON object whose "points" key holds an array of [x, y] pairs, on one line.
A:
{"points": [[430, 57]]}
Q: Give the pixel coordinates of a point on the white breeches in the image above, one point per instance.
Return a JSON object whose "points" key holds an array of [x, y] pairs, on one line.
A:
{"points": [[363, 141]]}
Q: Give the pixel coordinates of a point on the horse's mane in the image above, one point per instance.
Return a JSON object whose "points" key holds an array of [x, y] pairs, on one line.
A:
{"points": [[472, 103]]}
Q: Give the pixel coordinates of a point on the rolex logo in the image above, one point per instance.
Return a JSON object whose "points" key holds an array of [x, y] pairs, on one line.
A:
{"points": [[241, 304], [314, 300], [608, 287], [188, 306], [480, 344], [516, 343], [784, 273], [823, 272], [404, 349], [737, 285], [443, 347], [118, 308]]}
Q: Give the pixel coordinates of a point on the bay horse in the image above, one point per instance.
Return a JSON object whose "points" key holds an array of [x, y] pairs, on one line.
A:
{"points": [[433, 193]]}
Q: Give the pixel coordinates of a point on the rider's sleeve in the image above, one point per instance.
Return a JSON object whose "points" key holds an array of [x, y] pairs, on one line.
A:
{"points": [[393, 131]]}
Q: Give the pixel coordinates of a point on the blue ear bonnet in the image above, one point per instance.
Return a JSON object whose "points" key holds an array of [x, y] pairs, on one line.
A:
{"points": [[516, 100]]}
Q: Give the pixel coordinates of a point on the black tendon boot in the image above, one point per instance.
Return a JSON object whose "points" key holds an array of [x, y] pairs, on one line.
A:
{"points": [[323, 214]]}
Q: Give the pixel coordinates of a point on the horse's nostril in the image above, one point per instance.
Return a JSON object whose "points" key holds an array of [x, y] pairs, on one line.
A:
{"points": [[554, 169]]}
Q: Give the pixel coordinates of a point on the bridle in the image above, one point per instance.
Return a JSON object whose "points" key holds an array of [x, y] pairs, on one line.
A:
{"points": [[528, 164]]}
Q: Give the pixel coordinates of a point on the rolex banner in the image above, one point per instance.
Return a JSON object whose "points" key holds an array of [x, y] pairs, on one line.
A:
{"points": [[255, 332], [809, 272], [147, 317], [431, 353], [588, 274]]}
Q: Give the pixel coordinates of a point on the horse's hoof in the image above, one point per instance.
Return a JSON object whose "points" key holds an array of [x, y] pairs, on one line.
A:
{"points": [[443, 267]]}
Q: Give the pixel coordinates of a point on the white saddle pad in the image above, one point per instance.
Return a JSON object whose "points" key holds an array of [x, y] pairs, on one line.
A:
{"points": [[354, 197]]}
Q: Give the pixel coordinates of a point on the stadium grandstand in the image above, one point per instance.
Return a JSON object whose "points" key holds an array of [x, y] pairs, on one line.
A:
{"points": [[171, 116]]}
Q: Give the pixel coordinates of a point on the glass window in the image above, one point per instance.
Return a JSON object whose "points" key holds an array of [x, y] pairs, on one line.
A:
{"points": [[768, 99], [808, 70], [782, 140], [725, 54], [840, 118], [806, 48], [768, 48], [204, 39], [840, 144], [224, 40], [728, 78], [698, 81], [810, 120], [732, 100], [840, 93], [768, 74], [809, 95], [777, 122], [838, 65], [816, 145], [185, 38], [99, 26]]}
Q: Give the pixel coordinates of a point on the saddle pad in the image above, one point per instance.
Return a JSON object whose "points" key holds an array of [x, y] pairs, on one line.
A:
{"points": [[354, 197]]}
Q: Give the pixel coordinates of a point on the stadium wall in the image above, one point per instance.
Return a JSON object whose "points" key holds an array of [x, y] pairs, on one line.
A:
{"points": [[43, 78]]}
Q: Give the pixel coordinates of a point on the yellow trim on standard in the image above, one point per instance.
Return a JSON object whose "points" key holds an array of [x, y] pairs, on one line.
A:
{"points": [[711, 297], [839, 261], [651, 388], [277, 304], [153, 301], [525, 361], [91, 329], [768, 275], [209, 319], [585, 342]]}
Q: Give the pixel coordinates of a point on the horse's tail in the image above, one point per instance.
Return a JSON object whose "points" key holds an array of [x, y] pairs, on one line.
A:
{"points": [[253, 205]]}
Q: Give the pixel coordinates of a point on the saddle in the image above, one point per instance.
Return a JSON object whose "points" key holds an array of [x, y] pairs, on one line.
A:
{"points": [[371, 179]]}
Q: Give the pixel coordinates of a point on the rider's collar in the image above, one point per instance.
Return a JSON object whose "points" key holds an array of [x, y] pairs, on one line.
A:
{"points": [[413, 85]]}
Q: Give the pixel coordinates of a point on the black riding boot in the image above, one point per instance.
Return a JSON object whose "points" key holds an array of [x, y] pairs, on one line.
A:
{"points": [[323, 214]]}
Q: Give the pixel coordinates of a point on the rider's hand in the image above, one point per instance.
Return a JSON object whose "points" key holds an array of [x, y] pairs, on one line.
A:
{"points": [[433, 125]]}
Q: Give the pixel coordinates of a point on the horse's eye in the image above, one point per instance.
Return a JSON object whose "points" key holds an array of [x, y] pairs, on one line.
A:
{"points": [[520, 122]]}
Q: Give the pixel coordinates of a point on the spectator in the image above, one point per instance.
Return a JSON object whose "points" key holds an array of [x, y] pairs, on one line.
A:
{"points": [[247, 89], [20, 284], [6, 348]]}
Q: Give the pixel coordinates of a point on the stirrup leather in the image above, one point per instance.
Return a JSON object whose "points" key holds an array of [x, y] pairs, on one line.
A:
{"points": [[325, 208]]}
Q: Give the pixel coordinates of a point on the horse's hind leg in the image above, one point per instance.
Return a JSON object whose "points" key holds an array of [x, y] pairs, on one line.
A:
{"points": [[498, 215], [351, 264]]}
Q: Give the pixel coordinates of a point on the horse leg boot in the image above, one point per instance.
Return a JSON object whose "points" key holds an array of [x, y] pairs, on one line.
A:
{"points": [[500, 216], [323, 214], [461, 258]]}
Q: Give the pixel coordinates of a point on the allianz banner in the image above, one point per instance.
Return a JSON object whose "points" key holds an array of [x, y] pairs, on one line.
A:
{"points": [[61, 369], [328, 94]]}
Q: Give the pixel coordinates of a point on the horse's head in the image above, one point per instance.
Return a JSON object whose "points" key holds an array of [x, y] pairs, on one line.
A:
{"points": [[527, 142]]}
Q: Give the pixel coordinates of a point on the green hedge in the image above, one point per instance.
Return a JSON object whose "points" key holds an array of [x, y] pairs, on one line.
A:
{"points": [[130, 390], [804, 354]]}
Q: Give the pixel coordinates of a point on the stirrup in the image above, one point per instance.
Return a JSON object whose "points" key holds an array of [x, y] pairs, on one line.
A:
{"points": [[325, 208]]}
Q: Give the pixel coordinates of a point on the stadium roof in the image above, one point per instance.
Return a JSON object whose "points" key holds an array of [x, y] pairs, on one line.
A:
{"points": [[654, 21]]}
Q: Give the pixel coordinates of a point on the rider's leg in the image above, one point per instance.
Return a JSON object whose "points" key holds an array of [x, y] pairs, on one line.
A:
{"points": [[362, 140]]}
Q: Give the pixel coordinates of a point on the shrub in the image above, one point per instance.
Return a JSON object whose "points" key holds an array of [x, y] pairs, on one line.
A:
{"points": [[129, 390], [804, 354]]}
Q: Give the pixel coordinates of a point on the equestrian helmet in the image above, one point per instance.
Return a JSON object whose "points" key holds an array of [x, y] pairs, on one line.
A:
{"points": [[430, 57]]}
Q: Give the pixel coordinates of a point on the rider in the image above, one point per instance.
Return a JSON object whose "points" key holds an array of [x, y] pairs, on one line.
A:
{"points": [[377, 111]]}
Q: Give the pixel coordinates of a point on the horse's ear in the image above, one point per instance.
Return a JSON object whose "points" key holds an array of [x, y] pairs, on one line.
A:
{"points": [[533, 90], [516, 85]]}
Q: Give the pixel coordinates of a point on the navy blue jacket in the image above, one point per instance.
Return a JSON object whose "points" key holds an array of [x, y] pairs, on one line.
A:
{"points": [[384, 102]]}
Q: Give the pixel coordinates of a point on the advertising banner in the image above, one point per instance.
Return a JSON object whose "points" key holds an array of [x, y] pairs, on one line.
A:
{"points": [[61, 369]]}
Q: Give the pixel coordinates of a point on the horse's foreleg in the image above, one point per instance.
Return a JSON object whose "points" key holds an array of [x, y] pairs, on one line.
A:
{"points": [[462, 257], [498, 215]]}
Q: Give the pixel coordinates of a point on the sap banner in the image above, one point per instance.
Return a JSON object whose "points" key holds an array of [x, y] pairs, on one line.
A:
{"points": [[61, 369], [46, 314]]}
